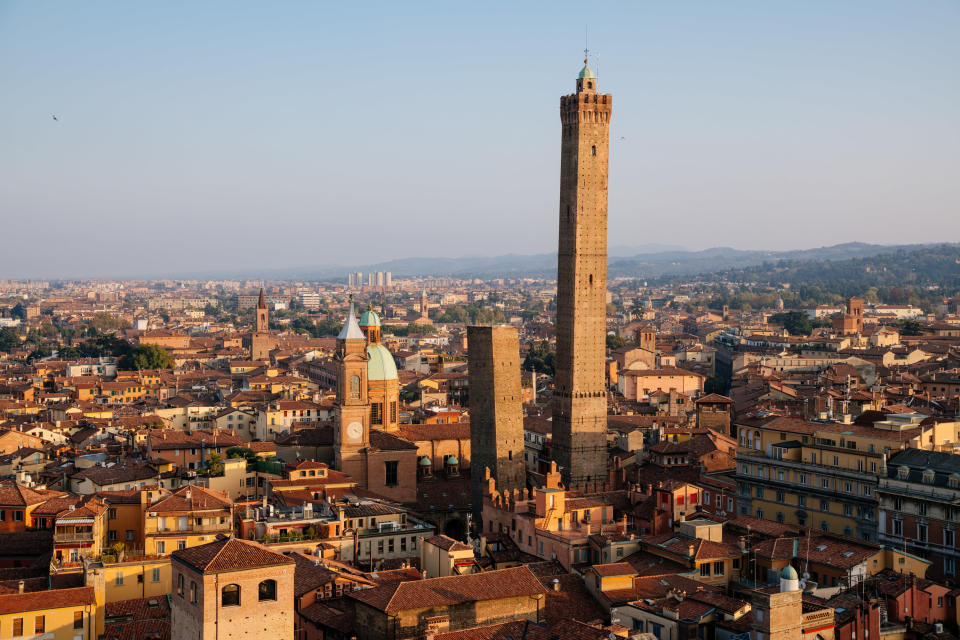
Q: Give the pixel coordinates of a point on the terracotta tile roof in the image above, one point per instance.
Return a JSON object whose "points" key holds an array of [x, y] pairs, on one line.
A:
{"points": [[702, 549], [200, 499], [446, 543], [570, 601], [19, 496], [422, 432], [139, 608], [389, 442], [835, 552], [332, 614], [174, 439], [452, 590], [229, 554], [53, 599], [613, 569], [113, 475], [713, 397]]}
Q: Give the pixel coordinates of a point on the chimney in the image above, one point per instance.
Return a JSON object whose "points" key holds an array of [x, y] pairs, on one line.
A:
{"points": [[423, 575], [555, 584], [20, 586], [690, 550]]}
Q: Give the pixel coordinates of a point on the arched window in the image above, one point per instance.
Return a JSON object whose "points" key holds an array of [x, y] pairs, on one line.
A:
{"points": [[230, 595], [268, 590], [354, 386]]}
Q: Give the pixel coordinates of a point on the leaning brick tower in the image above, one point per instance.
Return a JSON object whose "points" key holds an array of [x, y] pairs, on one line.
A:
{"points": [[580, 399]]}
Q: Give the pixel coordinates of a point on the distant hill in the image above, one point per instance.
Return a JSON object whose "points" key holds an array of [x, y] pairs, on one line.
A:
{"points": [[644, 262], [652, 264], [898, 272]]}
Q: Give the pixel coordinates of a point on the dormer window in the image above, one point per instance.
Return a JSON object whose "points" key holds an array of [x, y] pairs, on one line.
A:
{"points": [[903, 473], [928, 476], [955, 481]]}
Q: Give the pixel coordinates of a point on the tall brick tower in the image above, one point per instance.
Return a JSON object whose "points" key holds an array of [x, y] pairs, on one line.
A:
{"points": [[261, 342], [351, 431], [496, 415], [580, 399]]}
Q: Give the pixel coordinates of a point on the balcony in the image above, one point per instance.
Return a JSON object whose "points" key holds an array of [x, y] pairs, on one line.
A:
{"points": [[74, 537], [822, 469], [914, 490], [193, 528]]}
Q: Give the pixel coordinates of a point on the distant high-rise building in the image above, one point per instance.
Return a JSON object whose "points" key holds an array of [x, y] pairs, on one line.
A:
{"points": [[496, 414], [388, 279], [580, 398], [379, 278]]}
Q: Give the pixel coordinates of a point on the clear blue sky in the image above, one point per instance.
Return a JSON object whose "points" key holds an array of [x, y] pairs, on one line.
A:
{"points": [[207, 135]]}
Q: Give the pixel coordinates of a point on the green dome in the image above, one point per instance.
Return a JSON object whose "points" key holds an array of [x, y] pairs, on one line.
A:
{"points": [[585, 72], [425, 462], [452, 460], [381, 365], [789, 573], [369, 318]]}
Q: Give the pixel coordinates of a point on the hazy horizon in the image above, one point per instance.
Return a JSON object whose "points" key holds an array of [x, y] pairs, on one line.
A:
{"points": [[236, 136]]}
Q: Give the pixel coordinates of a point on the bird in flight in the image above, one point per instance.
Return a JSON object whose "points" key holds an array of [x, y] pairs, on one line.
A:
{"points": [[55, 118]]}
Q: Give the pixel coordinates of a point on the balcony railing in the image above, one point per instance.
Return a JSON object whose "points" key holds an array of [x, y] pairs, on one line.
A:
{"points": [[901, 487], [73, 537], [193, 528], [822, 469]]}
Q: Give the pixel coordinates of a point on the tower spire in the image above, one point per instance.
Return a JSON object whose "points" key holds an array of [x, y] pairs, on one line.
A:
{"points": [[586, 45]]}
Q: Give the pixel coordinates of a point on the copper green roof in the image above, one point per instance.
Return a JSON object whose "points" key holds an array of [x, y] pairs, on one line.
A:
{"points": [[381, 365], [369, 318]]}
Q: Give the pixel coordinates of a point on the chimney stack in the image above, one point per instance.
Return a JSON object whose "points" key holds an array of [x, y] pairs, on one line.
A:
{"points": [[20, 586]]}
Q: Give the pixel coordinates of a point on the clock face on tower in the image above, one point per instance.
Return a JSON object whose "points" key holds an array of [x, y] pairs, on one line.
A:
{"points": [[355, 432]]}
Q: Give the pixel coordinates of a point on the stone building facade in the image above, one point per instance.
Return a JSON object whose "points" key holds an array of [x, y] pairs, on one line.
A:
{"points": [[580, 399], [231, 589], [496, 415]]}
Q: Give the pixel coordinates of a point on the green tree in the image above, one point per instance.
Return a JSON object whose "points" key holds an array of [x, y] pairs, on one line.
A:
{"points": [[214, 464], [241, 452], [540, 358], [795, 322], [146, 356], [104, 321], [68, 353], [614, 341], [19, 311], [909, 327], [9, 338]]}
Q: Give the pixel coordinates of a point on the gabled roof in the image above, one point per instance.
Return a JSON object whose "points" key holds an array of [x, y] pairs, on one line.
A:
{"points": [[229, 554], [451, 590], [191, 498], [19, 496]]}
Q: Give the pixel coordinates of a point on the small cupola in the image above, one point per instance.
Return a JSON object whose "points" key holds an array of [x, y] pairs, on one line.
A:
{"points": [[425, 467], [451, 466]]}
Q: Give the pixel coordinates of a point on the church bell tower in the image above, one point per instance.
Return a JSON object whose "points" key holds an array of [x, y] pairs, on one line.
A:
{"points": [[352, 424]]}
